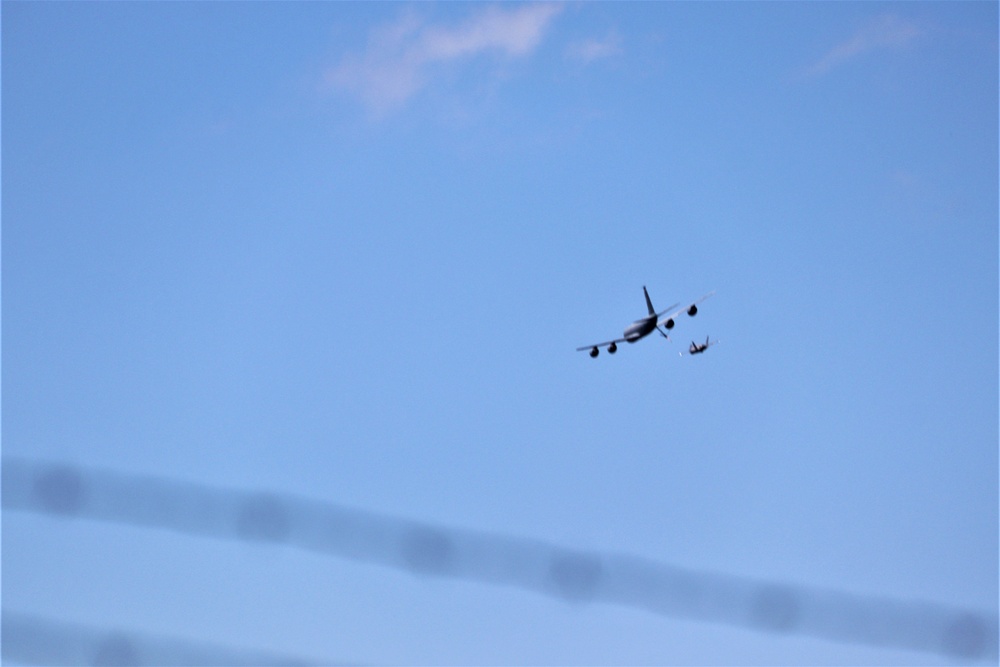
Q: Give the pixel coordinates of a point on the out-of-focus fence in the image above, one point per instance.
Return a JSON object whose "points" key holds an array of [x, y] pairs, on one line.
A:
{"points": [[437, 551]]}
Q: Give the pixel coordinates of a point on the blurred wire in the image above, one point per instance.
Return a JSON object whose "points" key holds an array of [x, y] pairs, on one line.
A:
{"points": [[423, 549], [33, 640]]}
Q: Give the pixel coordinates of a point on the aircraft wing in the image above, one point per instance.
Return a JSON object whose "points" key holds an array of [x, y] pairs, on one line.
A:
{"points": [[604, 344], [663, 318]]}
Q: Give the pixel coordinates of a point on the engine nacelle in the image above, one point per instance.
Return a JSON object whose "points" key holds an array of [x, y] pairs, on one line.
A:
{"points": [[594, 351], [693, 310], [612, 348], [669, 324]]}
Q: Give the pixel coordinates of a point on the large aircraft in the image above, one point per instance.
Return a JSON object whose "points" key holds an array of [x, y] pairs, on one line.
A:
{"points": [[645, 326]]}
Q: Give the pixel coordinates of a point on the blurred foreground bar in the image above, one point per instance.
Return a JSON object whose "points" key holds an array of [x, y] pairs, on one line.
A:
{"points": [[428, 550], [33, 640]]}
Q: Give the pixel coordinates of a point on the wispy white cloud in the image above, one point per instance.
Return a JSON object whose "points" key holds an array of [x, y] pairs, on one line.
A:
{"points": [[887, 31], [589, 50], [399, 59]]}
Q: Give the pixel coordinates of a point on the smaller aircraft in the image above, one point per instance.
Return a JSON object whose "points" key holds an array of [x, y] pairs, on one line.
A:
{"points": [[697, 348], [647, 325]]}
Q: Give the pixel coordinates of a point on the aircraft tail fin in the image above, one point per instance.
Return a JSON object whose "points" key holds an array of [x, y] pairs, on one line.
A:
{"points": [[649, 304]]}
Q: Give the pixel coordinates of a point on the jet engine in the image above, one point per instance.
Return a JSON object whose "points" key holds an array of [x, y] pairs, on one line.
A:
{"points": [[669, 324], [693, 310], [594, 351], [612, 348]]}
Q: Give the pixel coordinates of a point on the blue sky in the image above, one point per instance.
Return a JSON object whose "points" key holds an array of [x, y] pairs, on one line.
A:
{"points": [[346, 251]]}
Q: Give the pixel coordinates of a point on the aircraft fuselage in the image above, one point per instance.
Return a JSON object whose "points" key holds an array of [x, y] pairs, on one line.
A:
{"points": [[640, 329]]}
